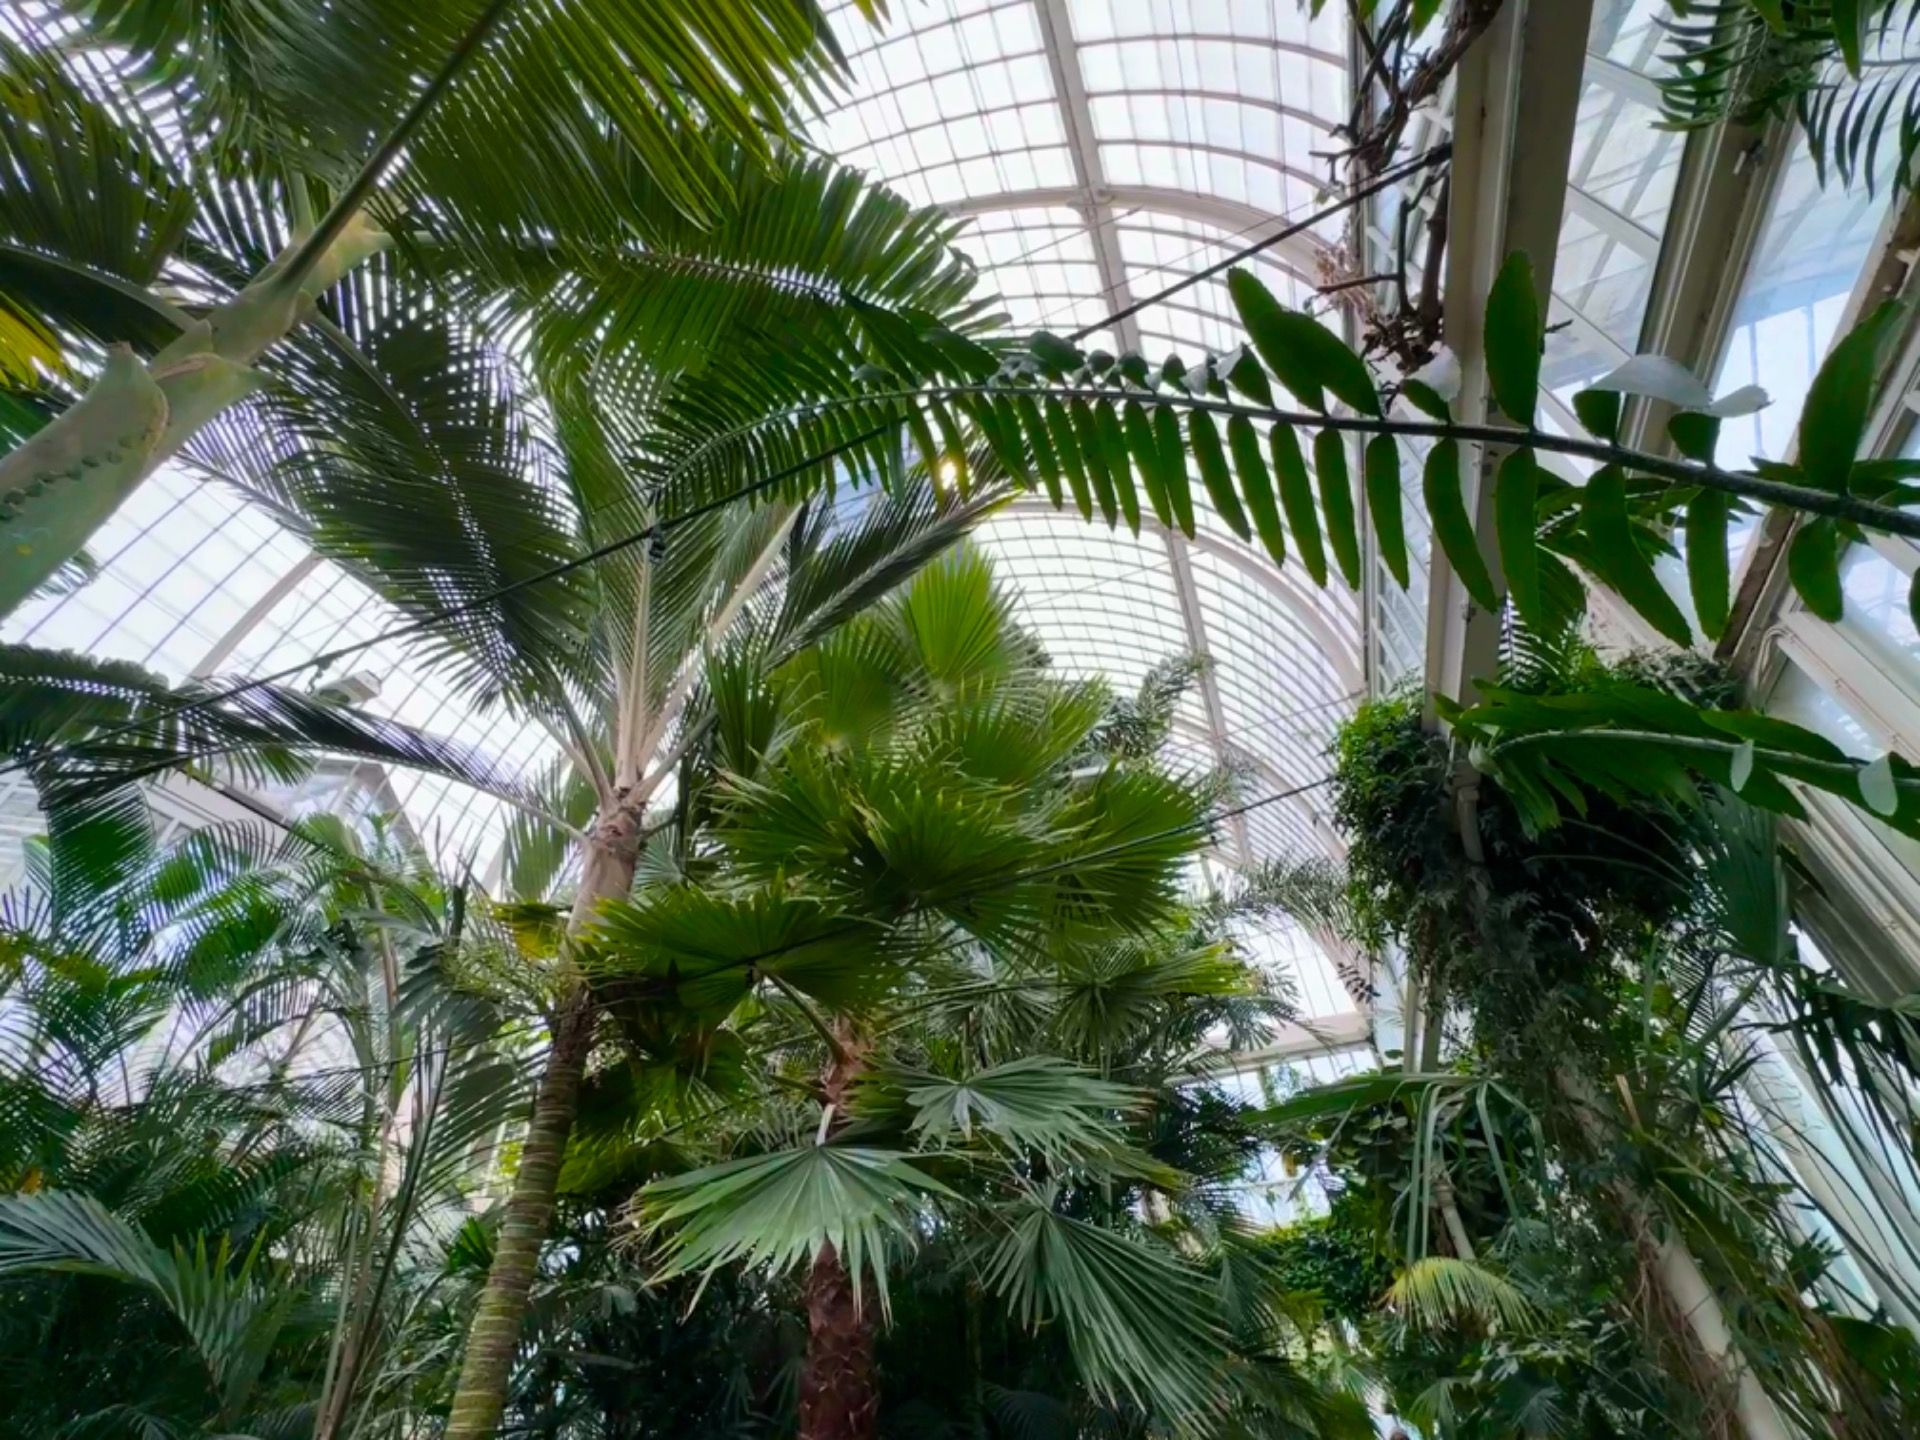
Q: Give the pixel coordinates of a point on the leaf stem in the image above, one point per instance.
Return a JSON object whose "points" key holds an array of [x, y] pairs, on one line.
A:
{"points": [[1701, 744], [349, 201], [1868, 513]]}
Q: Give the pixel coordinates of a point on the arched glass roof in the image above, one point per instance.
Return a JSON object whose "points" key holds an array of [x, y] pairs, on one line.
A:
{"points": [[1100, 153], [1097, 153]]}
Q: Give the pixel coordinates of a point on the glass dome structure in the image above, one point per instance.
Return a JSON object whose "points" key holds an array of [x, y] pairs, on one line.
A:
{"points": [[1097, 154]]}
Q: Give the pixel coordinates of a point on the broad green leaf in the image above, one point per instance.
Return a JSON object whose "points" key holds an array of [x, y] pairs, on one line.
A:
{"points": [[1515, 494], [1113, 442], [1249, 379], [1707, 564], [1056, 356], [1213, 472], [1093, 456], [1042, 445], [1173, 459], [996, 419], [1336, 503], [1304, 355], [1813, 564], [1453, 527], [1513, 336], [1913, 602], [1878, 787], [1257, 486], [1424, 397], [1695, 436], [1849, 19], [1617, 556], [1296, 499], [1382, 472], [1067, 448], [1146, 458], [1840, 399], [1599, 411]]}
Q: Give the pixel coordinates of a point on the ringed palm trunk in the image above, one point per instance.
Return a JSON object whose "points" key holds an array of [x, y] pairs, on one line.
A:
{"points": [[486, 1369], [839, 1392]]}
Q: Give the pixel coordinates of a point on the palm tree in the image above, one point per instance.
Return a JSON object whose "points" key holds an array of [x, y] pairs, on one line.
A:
{"points": [[472, 402], [252, 1084], [941, 889], [188, 181]]}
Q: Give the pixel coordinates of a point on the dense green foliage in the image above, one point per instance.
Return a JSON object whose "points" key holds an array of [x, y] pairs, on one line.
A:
{"points": [[1588, 1103]]}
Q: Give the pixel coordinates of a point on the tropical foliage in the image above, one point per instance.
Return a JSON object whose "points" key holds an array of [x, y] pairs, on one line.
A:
{"points": [[939, 889], [1844, 69], [1593, 1111], [252, 1085]]}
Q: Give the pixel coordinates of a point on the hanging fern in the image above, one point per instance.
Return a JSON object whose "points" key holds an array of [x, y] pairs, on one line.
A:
{"points": [[1847, 70]]}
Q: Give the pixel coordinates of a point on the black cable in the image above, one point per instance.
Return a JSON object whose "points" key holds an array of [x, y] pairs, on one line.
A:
{"points": [[745, 492]]}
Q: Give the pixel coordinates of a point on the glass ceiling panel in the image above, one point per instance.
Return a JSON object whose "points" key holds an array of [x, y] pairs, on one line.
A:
{"points": [[1097, 151], [1619, 190], [1148, 140], [1100, 152]]}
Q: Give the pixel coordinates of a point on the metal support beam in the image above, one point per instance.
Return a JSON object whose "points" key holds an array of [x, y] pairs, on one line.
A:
{"points": [[1299, 255], [223, 648], [1056, 31], [1509, 179]]}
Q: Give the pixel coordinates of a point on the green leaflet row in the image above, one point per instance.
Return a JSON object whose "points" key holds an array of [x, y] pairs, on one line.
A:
{"points": [[1130, 441]]}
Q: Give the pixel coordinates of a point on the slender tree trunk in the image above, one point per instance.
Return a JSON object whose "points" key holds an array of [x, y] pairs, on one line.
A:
{"points": [[1450, 1215], [1673, 1267], [486, 1369], [839, 1394]]}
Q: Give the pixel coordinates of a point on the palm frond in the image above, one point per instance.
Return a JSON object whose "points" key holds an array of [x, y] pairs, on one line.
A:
{"points": [[1847, 73], [1037, 1102], [780, 1210], [1438, 1291], [230, 1314], [51, 701], [1139, 1323], [574, 94]]}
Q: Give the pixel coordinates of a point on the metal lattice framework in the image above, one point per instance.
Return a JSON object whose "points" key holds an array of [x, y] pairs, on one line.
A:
{"points": [[1098, 150]]}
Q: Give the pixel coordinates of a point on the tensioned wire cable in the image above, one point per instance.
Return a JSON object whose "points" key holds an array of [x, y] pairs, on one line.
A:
{"points": [[645, 534], [1035, 872]]}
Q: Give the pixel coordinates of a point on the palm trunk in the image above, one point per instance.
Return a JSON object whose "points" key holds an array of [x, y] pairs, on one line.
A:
{"points": [[480, 1396], [1673, 1268], [839, 1397], [63, 483]]}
